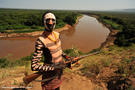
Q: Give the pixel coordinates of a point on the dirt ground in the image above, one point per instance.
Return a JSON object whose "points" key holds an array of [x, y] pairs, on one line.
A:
{"points": [[70, 82]]}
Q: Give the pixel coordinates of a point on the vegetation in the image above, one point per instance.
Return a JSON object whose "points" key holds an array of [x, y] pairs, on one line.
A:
{"points": [[115, 67], [4, 62], [125, 23], [122, 21], [73, 52], [21, 20]]}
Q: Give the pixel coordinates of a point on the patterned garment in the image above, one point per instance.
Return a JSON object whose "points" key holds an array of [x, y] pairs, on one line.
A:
{"points": [[53, 54], [35, 65]]}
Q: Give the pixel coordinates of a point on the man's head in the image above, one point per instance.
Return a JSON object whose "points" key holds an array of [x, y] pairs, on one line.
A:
{"points": [[49, 21]]}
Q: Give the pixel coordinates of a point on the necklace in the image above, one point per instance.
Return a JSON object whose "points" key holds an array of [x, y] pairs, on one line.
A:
{"points": [[53, 38]]}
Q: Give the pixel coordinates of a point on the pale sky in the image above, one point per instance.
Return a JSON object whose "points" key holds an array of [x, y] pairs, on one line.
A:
{"points": [[68, 4]]}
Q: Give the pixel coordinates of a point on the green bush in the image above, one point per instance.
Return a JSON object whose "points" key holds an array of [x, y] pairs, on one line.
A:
{"points": [[2, 28], [73, 52], [60, 23], [4, 62], [121, 40], [35, 27], [70, 20]]}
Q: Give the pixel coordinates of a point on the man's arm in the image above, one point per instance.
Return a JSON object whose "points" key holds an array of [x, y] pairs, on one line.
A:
{"points": [[35, 65]]}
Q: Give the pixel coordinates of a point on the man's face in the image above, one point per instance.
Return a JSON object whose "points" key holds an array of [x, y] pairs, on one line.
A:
{"points": [[49, 22]]}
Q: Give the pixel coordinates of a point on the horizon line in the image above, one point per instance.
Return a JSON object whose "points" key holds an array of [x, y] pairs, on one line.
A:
{"points": [[67, 9]]}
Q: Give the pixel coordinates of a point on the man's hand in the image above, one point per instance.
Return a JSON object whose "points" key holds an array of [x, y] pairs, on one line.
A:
{"points": [[69, 64]]}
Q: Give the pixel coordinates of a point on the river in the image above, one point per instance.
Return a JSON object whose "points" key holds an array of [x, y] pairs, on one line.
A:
{"points": [[88, 34]]}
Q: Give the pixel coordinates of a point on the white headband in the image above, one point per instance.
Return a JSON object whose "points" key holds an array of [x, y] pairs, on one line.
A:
{"points": [[49, 15]]}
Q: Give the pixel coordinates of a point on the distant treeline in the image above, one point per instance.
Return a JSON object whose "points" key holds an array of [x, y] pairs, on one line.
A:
{"points": [[21, 19], [124, 22]]}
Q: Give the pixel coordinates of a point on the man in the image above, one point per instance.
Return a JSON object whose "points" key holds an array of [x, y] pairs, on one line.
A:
{"points": [[49, 45]]}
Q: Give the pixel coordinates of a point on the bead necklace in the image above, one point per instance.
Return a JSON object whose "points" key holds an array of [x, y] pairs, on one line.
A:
{"points": [[52, 39]]}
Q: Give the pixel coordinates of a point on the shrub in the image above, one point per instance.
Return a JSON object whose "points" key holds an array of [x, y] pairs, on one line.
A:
{"points": [[91, 69], [35, 27], [126, 67], [70, 20], [73, 52], [4, 62]]}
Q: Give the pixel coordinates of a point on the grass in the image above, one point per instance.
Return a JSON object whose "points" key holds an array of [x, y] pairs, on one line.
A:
{"points": [[126, 67], [73, 52], [32, 29], [119, 61], [11, 69], [5, 63], [5, 73], [12, 76], [113, 24], [94, 64], [21, 31]]}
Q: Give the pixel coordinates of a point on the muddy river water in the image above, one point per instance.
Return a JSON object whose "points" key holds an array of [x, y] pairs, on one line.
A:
{"points": [[88, 34]]}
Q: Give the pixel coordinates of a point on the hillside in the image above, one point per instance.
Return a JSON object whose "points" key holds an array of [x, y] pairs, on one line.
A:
{"points": [[113, 69]]}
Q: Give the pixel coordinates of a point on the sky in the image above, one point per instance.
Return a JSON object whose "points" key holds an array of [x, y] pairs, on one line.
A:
{"points": [[69, 4]]}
